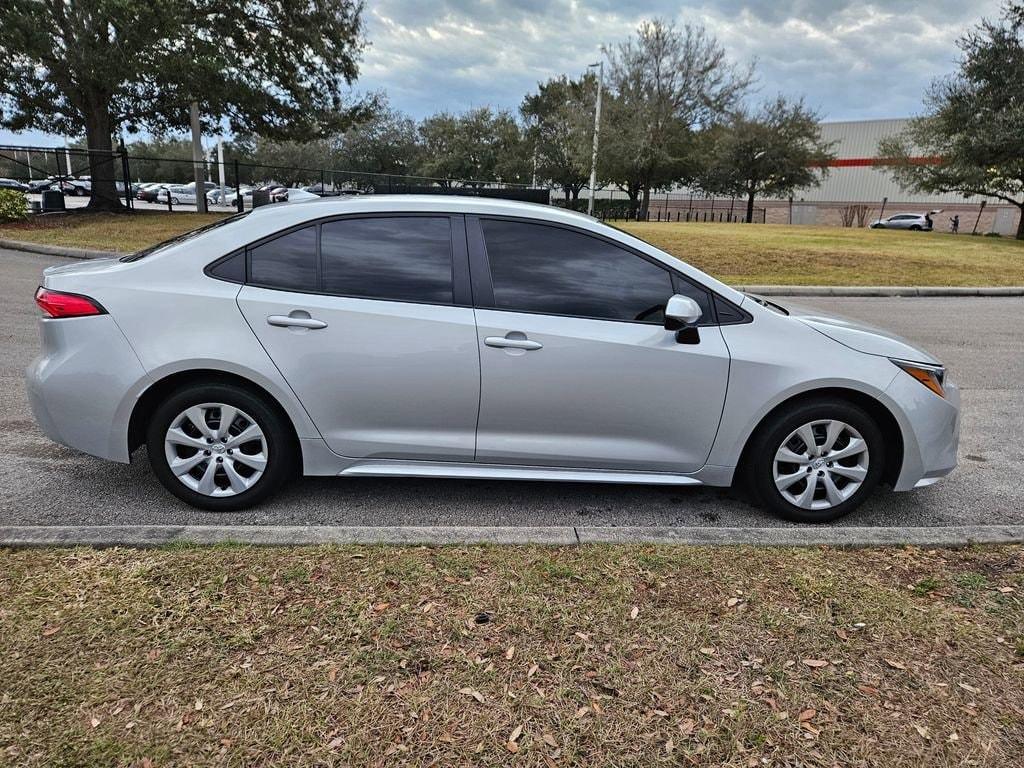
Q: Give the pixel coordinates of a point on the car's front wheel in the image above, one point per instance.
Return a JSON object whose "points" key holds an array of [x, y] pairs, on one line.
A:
{"points": [[817, 462], [219, 447]]}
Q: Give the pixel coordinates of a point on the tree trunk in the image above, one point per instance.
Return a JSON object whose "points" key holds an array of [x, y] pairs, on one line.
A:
{"points": [[1020, 223], [645, 202], [101, 159], [750, 207], [566, 192]]}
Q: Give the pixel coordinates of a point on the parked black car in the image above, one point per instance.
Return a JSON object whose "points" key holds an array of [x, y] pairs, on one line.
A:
{"points": [[13, 184]]}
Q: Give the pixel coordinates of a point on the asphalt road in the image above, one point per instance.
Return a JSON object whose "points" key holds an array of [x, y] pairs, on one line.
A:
{"points": [[980, 339]]}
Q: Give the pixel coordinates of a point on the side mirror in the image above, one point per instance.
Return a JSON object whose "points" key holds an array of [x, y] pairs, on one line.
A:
{"points": [[681, 312]]}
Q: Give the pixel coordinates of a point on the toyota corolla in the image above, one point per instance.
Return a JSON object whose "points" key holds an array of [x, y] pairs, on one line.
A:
{"points": [[457, 337]]}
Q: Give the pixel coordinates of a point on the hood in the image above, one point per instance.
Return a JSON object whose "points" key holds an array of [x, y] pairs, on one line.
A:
{"points": [[861, 336]]}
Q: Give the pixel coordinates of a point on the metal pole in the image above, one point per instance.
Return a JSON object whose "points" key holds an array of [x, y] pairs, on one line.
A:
{"points": [[977, 220], [597, 131], [198, 161], [220, 168], [239, 204], [125, 174]]}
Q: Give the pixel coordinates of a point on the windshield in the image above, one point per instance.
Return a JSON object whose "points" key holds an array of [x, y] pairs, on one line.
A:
{"points": [[767, 304], [183, 237]]}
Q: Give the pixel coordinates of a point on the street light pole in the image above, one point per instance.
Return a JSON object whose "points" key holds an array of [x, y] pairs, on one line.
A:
{"points": [[597, 131]]}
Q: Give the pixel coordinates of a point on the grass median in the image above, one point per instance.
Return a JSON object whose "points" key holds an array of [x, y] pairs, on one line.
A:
{"points": [[624, 656], [743, 254]]}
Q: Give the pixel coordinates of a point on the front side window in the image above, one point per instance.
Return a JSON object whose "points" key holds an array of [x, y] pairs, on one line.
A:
{"points": [[287, 262], [551, 270], [401, 258]]}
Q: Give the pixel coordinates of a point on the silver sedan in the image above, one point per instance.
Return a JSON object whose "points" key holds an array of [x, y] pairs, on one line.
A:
{"points": [[441, 336]]}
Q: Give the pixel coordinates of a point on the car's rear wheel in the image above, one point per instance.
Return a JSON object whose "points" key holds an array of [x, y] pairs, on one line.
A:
{"points": [[915, 227], [219, 447], [817, 462]]}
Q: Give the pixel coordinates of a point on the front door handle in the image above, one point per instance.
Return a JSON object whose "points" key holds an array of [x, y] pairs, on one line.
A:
{"points": [[504, 342], [296, 321]]}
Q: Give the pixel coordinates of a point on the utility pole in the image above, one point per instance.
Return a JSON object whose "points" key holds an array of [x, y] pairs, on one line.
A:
{"points": [[597, 131], [197, 158]]}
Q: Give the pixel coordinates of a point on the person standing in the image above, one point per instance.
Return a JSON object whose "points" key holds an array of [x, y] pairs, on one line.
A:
{"points": [[954, 223]]}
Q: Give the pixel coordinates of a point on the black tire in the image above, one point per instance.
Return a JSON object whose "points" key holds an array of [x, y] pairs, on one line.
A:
{"points": [[281, 450], [915, 227], [174, 201], [761, 456]]}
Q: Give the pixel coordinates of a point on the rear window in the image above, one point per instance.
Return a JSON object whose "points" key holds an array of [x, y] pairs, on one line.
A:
{"points": [[183, 237]]}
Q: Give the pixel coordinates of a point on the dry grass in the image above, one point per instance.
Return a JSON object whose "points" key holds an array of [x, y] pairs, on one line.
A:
{"points": [[626, 656], [758, 254], [106, 231], [735, 253]]}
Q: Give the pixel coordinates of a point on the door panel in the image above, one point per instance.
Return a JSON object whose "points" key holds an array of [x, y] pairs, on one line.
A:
{"points": [[382, 379], [597, 393]]}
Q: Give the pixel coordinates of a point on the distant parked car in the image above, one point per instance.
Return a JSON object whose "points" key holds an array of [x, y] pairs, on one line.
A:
{"points": [[180, 194], [75, 187], [148, 192], [215, 196], [40, 185], [13, 184], [918, 222]]}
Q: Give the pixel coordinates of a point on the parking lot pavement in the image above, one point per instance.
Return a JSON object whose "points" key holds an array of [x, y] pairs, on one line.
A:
{"points": [[980, 339]]}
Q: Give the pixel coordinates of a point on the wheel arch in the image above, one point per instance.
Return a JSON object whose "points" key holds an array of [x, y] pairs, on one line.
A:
{"points": [[884, 417], [155, 393]]}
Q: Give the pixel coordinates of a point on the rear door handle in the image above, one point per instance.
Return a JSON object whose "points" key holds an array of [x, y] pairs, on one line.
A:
{"points": [[503, 342], [288, 321]]}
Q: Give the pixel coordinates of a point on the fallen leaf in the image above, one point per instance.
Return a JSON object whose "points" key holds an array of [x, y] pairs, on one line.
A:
{"points": [[922, 731], [634, 613], [470, 692], [895, 664], [510, 652], [50, 631], [512, 747], [94, 722], [967, 687], [550, 740], [532, 671], [332, 674], [807, 714], [708, 651], [669, 746], [815, 663], [198, 704], [687, 726], [514, 736], [868, 690], [1006, 590], [336, 742], [732, 602]]}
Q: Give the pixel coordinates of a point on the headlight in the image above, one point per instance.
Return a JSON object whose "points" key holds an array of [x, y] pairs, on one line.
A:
{"points": [[931, 376]]}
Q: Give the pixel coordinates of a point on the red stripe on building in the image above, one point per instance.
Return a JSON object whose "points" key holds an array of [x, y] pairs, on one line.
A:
{"points": [[863, 162]]}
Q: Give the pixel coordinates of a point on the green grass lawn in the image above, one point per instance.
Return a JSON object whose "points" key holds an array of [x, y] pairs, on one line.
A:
{"points": [[539, 656], [743, 254]]}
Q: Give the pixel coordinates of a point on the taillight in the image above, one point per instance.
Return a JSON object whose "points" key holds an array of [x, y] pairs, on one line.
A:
{"points": [[60, 304]]}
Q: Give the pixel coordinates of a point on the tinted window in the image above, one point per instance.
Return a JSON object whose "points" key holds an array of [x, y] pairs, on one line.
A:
{"points": [[405, 258], [686, 288], [287, 262], [535, 268]]}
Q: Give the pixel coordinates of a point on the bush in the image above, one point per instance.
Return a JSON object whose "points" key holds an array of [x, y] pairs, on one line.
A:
{"points": [[13, 205], [992, 234]]}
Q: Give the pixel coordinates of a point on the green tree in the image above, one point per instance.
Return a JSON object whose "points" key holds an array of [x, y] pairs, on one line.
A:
{"points": [[666, 84], [971, 135], [765, 153], [559, 121], [95, 67], [479, 146], [386, 143]]}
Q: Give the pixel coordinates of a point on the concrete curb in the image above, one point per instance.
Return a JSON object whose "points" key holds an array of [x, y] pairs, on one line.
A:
{"points": [[57, 250], [284, 535], [880, 290], [764, 290]]}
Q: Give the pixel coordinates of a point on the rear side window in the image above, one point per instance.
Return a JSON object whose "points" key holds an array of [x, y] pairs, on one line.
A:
{"points": [[287, 262], [551, 270], [401, 258]]}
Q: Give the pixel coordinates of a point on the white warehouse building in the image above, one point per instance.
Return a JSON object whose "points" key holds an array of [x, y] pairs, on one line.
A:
{"points": [[856, 177]]}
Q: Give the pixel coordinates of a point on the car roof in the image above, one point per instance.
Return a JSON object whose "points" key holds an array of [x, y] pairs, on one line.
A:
{"points": [[339, 206]]}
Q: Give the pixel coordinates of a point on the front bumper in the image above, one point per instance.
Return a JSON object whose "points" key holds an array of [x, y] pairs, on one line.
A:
{"points": [[83, 385], [931, 430]]}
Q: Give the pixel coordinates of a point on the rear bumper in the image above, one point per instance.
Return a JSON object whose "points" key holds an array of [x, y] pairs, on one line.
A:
{"points": [[931, 431], [82, 387]]}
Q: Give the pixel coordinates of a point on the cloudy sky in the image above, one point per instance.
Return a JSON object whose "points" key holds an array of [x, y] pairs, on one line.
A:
{"points": [[851, 60]]}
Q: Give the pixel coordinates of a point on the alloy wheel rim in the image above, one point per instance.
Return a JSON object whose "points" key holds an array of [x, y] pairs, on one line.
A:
{"points": [[820, 464], [216, 449]]}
